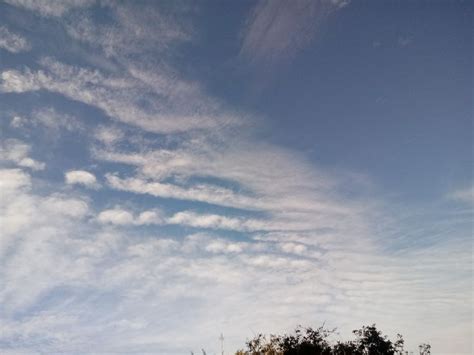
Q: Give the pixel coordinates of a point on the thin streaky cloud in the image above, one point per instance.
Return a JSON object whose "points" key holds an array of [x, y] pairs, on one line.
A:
{"points": [[51, 8], [212, 215], [13, 42], [277, 30], [116, 96]]}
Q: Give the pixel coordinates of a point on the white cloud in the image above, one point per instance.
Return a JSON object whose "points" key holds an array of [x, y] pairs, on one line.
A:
{"points": [[115, 216], [117, 97], [201, 192], [221, 246], [206, 221], [276, 30], [293, 248], [50, 119], [81, 177], [51, 7], [12, 180], [61, 205], [24, 212], [119, 216], [14, 81], [17, 122], [261, 178], [13, 42], [214, 221], [108, 135], [306, 252], [54, 120], [149, 217], [135, 27], [16, 151], [463, 195], [108, 286]]}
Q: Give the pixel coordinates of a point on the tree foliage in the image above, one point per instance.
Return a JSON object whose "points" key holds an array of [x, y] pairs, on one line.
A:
{"points": [[308, 341]]}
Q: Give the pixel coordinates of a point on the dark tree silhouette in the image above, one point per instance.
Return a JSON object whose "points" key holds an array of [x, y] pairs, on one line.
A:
{"points": [[370, 341], [425, 349], [346, 348], [305, 342], [308, 341]]}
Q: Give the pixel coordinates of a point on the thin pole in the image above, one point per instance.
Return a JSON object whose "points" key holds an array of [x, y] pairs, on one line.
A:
{"points": [[221, 338]]}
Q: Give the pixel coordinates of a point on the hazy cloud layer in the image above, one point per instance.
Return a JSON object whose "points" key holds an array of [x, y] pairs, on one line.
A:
{"points": [[163, 219]]}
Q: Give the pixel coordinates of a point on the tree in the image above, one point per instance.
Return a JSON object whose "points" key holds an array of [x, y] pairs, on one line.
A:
{"points": [[305, 341], [308, 341], [260, 345], [371, 342], [399, 345], [347, 348], [425, 349]]}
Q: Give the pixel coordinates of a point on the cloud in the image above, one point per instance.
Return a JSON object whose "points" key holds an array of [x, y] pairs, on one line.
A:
{"points": [[115, 216], [80, 177], [214, 221], [276, 30], [201, 192], [17, 122], [111, 287], [129, 279], [224, 247], [119, 216], [16, 151], [404, 41], [206, 221], [13, 180], [149, 217], [50, 118], [13, 42], [60, 205], [108, 135], [463, 195], [51, 8], [295, 248], [262, 178], [23, 211], [134, 28], [117, 97]]}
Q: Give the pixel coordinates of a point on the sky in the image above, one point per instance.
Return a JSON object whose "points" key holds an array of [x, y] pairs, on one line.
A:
{"points": [[174, 170]]}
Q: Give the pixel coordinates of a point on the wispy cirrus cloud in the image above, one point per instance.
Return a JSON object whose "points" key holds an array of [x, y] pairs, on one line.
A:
{"points": [[136, 27], [13, 42], [200, 227], [276, 30], [118, 97], [51, 8], [52, 119]]}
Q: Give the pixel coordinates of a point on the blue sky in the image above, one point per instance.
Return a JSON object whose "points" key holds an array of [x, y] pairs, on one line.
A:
{"points": [[171, 171]]}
